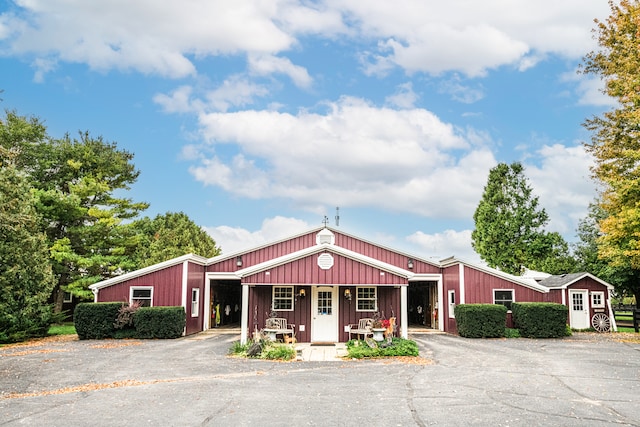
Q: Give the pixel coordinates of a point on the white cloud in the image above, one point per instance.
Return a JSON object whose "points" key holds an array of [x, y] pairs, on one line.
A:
{"points": [[472, 37], [461, 93], [446, 244], [354, 155], [232, 239], [167, 38], [562, 180], [269, 64], [404, 97]]}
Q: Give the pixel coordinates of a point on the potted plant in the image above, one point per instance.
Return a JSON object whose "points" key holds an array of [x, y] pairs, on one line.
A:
{"points": [[379, 327]]}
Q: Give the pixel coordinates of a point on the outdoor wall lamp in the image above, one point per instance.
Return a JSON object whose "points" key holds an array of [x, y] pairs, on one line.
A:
{"points": [[239, 261], [347, 294], [302, 293], [410, 264]]}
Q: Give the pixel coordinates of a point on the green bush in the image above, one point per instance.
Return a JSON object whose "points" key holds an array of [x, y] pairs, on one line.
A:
{"points": [[540, 319], [159, 322], [481, 320], [358, 349], [511, 333], [276, 351], [94, 320]]}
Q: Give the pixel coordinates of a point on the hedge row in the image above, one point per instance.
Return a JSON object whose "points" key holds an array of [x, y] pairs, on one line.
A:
{"points": [[98, 321], [481, 320], [540, 319], [532, 319]]}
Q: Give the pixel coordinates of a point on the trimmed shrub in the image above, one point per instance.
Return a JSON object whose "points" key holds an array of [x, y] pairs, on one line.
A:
{"points": [[159, 322], [481, 320], [94, 320], [540, 319]]}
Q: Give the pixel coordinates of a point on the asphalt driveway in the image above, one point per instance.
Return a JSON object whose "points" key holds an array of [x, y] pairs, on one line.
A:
{"points": [[583, 380]]}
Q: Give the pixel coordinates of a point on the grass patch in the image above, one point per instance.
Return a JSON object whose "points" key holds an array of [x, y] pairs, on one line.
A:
{"points": [[62, 329], [511, 333], [359, 349]]}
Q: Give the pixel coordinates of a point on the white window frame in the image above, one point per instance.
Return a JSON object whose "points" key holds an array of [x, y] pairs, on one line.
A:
{"points": [[451, 300], [280, 298], [368, 299], [595, 294], [513, 296], [141, 288], [195, 302], [67, 297]]}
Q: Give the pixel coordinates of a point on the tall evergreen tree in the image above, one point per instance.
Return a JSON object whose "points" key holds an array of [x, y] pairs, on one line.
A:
{"points": [[75, 182], [26, 279], [615, 140], [509, 232]]}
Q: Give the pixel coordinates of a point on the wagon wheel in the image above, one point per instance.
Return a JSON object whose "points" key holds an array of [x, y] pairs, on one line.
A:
{"points": [[600, 322]]}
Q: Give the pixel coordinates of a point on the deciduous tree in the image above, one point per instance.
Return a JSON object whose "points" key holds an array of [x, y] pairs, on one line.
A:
{"points": [[171, 235], [615, 139]]}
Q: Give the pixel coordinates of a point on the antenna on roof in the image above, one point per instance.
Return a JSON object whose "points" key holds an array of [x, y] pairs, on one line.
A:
{"points": [[337, 216]]}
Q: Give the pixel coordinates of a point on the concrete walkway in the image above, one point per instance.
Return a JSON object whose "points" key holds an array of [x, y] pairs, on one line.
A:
{"points": [[321, 353]]}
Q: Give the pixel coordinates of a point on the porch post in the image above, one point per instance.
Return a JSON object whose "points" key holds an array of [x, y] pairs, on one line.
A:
{"points": [[244, 321], [404, 315]]}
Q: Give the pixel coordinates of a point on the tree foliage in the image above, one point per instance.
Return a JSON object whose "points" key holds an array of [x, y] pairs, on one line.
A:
{"points": [[26, 279], [171, 235], [74, 183], [615, 135], [509, 222]]}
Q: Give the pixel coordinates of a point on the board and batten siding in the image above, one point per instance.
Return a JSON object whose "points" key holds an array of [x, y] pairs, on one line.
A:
{"points": [[195, 280], [479, 287], [343, 272], [167, 287]]}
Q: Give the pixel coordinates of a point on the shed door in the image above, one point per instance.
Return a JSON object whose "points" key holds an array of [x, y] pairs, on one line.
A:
{"points": [[324, 306], [579, 309]]}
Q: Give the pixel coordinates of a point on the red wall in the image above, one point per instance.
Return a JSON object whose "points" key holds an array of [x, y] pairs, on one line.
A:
{"points": [[479, 288], [195, 279], [344, 271], [167, 287]]}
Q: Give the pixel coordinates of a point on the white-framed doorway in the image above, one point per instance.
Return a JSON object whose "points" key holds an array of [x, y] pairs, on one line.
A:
{"points": [[579, 308], [324, 314]]}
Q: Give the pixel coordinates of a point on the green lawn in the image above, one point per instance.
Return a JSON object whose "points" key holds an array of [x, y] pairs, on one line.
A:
{"points": [[62, 329]]}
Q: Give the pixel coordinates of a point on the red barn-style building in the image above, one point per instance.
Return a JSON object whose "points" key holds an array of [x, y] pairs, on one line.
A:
{"points": [[323, 280]]}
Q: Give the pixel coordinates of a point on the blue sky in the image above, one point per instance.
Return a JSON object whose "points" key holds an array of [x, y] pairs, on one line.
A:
{"points": [[259, 118]]}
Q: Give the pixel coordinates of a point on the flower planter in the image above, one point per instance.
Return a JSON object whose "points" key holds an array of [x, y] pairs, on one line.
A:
{"points": [[378, 333]]}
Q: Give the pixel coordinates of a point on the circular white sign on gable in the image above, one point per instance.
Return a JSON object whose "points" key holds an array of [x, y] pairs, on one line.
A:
{"points": [[325, 261]]}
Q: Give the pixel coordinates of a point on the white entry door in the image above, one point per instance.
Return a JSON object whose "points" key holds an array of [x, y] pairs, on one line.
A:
{"points": [[324, 314], [579, 309]]}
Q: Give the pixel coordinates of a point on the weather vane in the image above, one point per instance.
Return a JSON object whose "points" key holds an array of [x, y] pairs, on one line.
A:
{"points": [[325, 220]]}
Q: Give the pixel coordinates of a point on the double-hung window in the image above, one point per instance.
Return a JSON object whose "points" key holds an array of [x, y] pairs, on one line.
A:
{"points": [[282, 298], [503, 296], [141, 294], [366, 298], [195, 302]]}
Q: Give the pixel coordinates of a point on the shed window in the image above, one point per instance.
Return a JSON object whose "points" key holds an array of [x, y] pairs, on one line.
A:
{"points": [[143, 295], [452, 304], [503, 296], [597, 299], [68, 297], [282, 298], [366, 298], [195, 302]]}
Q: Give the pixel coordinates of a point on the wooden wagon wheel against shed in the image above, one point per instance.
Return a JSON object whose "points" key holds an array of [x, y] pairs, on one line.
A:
{"points": [[601, 322]]}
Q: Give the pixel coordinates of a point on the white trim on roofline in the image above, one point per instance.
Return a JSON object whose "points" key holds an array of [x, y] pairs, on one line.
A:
{"points": [[196, 259], [529, 283], [311, 250], [582, 276], [220, 258]]}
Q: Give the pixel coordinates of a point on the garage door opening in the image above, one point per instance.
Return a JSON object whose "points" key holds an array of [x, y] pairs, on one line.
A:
{"points": [[225, 304]]}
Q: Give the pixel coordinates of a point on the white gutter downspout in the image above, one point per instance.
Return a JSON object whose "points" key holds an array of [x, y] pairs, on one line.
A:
{"points": [[244, 321]]}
